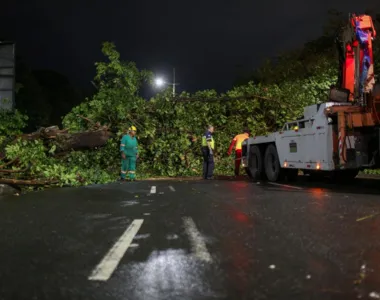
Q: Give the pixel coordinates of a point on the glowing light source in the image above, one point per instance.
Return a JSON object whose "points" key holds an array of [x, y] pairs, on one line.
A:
{"points": [[159, 82]]}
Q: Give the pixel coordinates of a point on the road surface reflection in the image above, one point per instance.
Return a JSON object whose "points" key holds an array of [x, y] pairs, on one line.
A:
{"points": [[169, 274]]}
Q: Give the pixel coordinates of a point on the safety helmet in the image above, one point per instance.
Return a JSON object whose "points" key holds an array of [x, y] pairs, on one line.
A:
{"points": [[132, 128]]}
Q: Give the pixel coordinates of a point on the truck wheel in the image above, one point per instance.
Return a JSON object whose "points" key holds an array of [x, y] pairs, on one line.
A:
{"points": [[248, 172], [273, 169], [255, 163]]}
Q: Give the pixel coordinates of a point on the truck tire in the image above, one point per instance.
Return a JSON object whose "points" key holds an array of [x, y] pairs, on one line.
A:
{"points": [[273, 170], [255, 163]]}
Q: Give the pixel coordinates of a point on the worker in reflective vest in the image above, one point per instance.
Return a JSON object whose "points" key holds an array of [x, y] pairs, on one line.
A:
{"points": [[129, 154], [237, 142], [208, 146]]}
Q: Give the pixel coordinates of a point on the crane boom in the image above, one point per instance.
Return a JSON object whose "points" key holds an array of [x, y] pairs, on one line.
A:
{"points": [[358, 65]]}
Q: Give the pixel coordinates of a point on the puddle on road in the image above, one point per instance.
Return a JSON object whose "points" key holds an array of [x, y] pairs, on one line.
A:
{"points": [[166, 274]]}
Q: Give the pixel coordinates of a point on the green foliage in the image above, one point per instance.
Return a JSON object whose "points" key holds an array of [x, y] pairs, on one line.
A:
{"points": [[11, 124], [78, 168], [372, 171], [117, 102]]}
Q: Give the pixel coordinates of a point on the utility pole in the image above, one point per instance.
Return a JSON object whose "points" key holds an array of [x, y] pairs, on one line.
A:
{"points": [[174, 83], [162, 82]]}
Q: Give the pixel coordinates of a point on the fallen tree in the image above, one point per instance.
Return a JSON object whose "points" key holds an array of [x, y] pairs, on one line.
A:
{"points": [[29, 157], [65, 141], [96, 136]]}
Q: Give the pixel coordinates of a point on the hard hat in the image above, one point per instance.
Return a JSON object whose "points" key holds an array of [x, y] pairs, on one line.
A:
{"points": [[132, 128]]}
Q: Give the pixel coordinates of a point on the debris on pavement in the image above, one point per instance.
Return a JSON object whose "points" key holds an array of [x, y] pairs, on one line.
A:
{"points": [[366, 217], [362, 275], [272, 267], [7, 190], [308, 276], [374, 295]]}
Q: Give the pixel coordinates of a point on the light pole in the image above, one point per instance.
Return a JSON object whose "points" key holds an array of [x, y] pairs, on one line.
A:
{"points": [[160, 82]]}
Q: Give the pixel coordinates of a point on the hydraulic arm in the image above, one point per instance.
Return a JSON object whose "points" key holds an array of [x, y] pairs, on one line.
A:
{"points": [[357, 63], [359, 112]]}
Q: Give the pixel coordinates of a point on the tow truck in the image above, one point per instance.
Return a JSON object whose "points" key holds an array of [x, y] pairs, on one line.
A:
{"points": [[337, 138]]}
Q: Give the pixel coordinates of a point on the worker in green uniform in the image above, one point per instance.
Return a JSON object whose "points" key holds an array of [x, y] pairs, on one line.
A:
{"points": [[129, 154]]}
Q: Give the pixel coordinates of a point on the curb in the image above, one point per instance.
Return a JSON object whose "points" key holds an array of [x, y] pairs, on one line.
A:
{"points": [[171, 178], [194, 178], [368, 176], [221, 177]]}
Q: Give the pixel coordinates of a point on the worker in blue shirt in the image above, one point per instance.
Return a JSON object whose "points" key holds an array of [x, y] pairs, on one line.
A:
{"points": [[208, 146]]}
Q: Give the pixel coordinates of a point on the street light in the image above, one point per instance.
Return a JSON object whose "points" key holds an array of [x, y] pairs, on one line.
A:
{"points": [[160, 82]]}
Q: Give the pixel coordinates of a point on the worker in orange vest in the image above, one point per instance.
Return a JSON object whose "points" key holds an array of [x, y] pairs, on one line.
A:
{"points": [[237, 141]]}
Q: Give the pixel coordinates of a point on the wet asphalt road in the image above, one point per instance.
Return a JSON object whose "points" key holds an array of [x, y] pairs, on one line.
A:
{"points": [[192, 240]]}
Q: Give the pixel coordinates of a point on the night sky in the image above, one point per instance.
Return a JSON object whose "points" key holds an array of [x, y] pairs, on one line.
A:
{"points": [[209, 43]]}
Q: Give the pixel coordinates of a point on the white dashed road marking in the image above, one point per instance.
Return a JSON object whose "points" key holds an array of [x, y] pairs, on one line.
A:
{"points": [[153, 190], [171, 188], [197, 243], [106, 267]]}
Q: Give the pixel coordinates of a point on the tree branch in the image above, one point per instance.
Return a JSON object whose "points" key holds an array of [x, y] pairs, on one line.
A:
{"points": [[87, 119], [9, 162], [14, 171], [26, 182]]}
